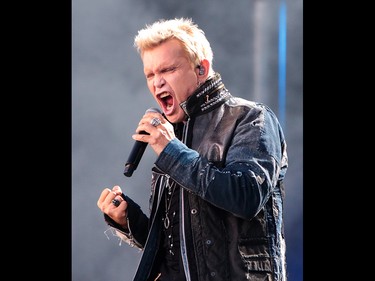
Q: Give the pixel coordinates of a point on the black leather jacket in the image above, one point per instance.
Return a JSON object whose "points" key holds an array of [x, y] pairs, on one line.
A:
{"points": [[230, 162]]}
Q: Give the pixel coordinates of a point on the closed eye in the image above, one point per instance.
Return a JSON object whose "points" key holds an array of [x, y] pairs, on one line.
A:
{"points": [[169, 69]]}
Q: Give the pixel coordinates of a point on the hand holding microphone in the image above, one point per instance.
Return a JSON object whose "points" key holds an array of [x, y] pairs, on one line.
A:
{"points": [[153, 129]]}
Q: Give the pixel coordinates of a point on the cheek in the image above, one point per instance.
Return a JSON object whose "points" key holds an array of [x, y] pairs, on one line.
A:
{"points": [[185, 87], [150, 86]]}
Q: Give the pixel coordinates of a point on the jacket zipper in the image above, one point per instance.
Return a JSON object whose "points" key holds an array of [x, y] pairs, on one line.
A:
{"points": [[183, 247]]}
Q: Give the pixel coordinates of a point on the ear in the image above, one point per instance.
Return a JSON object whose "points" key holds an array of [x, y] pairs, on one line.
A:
{"points": [[203, 68]]}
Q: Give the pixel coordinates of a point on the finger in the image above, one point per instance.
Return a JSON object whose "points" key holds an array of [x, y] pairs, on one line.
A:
{"points": [[150, 119], [103, 196], [143, 129], [117, 201], [141, 137], [107, 196], [148, 125], [117, 189]]}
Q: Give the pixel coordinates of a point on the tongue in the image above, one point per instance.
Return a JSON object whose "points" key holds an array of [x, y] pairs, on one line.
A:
{"points": [[168, 104], [169, 101]]}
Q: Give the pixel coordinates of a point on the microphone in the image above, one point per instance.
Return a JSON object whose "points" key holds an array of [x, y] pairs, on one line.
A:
{"points": [[136, 153]]}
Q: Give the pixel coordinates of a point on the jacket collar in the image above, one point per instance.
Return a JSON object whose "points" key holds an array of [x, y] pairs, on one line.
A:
{"points": [[211, 94]]}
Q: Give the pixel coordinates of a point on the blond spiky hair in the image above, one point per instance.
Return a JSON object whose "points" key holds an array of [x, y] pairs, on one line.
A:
{"points": [[185, 30]]}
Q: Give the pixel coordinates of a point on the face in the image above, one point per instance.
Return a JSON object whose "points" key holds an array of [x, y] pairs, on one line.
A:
{"points": [[171, 77]]}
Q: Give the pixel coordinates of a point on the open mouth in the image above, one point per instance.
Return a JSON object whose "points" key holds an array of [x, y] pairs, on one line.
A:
{"points": [[167, 102]]}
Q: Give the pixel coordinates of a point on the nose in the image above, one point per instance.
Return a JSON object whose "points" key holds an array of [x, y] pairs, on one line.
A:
{"points": [[159, 81]]}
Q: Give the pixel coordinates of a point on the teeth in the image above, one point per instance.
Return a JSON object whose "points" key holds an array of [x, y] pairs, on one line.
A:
{"points": [[163, 95]]}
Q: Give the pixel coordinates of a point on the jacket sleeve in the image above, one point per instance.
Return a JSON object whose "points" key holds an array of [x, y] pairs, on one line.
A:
{"points": [[254, 161], [137, 231]]}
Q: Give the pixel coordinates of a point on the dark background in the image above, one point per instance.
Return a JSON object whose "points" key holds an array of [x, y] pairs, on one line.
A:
{"points": [[109, 95]]}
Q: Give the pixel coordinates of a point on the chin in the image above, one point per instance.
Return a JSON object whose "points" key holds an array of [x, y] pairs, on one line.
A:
{"points": [[176, 118]]}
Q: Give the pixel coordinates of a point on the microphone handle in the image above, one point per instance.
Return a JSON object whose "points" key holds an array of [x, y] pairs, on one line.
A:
{"points": [[139, 148], [135, 156]]}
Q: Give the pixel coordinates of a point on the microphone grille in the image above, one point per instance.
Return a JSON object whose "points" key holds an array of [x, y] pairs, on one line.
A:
{"points": [[153, 109]]}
